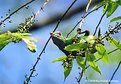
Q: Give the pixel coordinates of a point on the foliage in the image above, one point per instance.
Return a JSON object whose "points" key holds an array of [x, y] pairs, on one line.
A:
{"points": [[21, 34], [110, 6], [82, 49], [82, 46], [8, 37], [115, 19], [79, 48]]}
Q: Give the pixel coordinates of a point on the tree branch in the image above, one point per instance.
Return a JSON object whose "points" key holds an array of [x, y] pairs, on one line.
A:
{"points": [[117, 27], [81, 75], [99, 23], [115, 72], [56, 17], [38, 58], [15, 11], [81, 20]]}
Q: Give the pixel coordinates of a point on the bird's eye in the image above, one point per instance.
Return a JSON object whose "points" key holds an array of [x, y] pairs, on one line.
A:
{"points": [[59, 34]]}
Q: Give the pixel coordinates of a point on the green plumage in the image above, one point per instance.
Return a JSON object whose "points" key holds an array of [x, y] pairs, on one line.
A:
{"points": [[61, 42]]}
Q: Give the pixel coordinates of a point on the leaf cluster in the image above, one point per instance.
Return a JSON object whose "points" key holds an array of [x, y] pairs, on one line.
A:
{"points": [[110, 6], [84, 49], [8, 37]]}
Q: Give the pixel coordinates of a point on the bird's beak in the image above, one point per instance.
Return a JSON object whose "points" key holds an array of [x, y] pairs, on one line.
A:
{"points": [[51, 33]]}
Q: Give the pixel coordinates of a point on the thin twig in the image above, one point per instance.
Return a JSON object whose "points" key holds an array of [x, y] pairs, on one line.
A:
{"points": [[113, 30], [38, 58], [101, 57], [115, 72], [113, 50], [81, 20], [54, 19], [82, 72], [37, 13], [81, 75], [107, 34], [99, 23], [64, 15], [15, 11], [33, 69]]}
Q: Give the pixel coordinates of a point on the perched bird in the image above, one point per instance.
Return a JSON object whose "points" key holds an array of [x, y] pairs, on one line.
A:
{"points": [[60, 41]]}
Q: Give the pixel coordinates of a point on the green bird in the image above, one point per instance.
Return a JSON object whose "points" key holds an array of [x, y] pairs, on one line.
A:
{"points": [[61, 42]]}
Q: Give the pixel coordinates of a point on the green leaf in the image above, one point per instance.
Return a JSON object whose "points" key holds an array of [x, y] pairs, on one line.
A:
{"points": [[110, 8], [80, 62], [115, 19], [30, 43], [114, 0], [67, 70], [90, 60], [8, 37], [98, 5], [119, 46], [100, 49], [114, 42], [119, 2], [105, 58], [76, 47], [94, 66], [59, 59], [3, 44], [90, 57], [68, 41]]}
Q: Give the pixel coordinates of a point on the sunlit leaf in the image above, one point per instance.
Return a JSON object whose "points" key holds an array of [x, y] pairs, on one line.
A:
{"points": [[114, 42], [92, 63], [80, 61], [100, 49], [110, 8], [8, 37], [98, 5], [3, 44], [59, 59], [76, 47], [115, 19], [30, 44], [105, 58], [94, 66], [114, 0], [117, 1], [67, 71]]}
